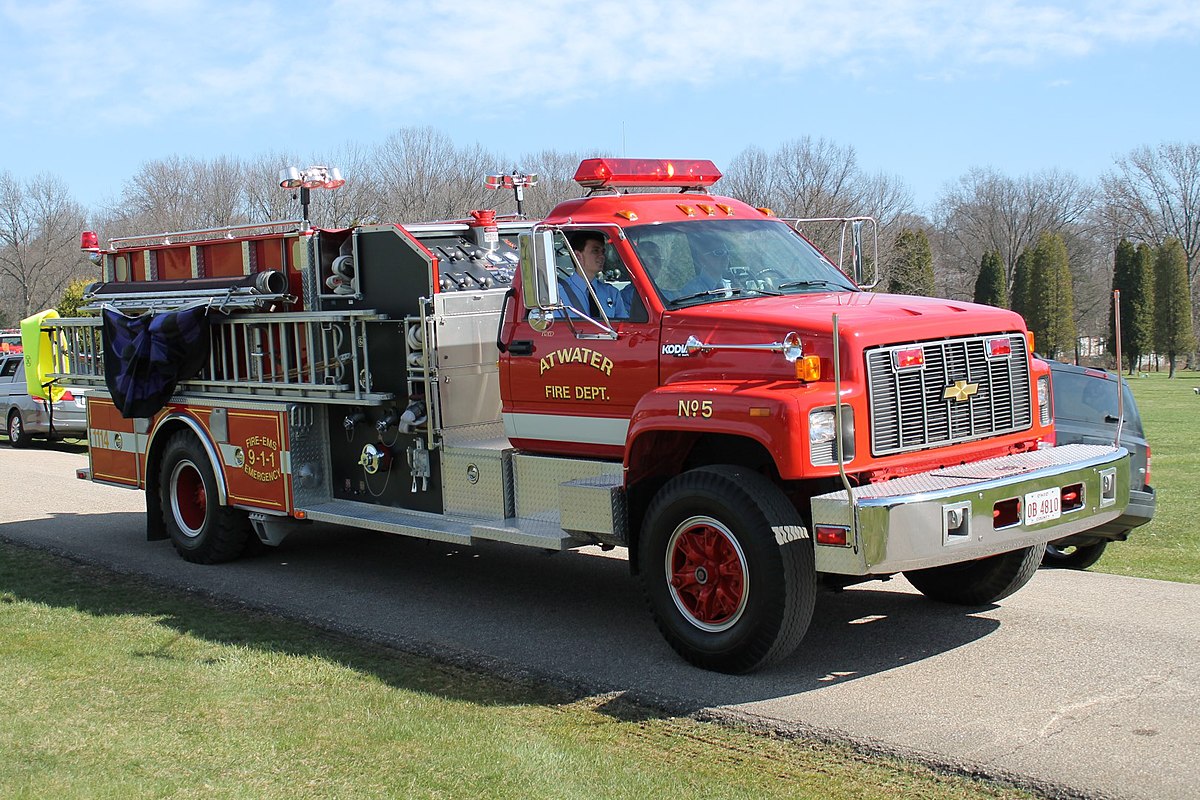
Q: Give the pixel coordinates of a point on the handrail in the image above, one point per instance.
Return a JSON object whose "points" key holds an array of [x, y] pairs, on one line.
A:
{"points": [[226, 232]]}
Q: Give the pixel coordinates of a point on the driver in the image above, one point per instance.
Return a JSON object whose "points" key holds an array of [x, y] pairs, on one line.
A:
{"points": [[589, 250], [711, 258]]}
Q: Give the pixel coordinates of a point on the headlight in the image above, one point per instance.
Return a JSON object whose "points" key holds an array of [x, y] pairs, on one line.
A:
{"points": [[822, 441], [821, 426]]}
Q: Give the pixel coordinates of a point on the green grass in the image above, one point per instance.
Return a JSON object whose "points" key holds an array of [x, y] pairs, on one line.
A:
{"points": [[113, 688], [1168, 548]]}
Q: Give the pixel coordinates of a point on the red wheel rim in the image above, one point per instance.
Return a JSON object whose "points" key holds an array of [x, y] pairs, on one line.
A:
{"points": [[189, 500], [707, 575]]}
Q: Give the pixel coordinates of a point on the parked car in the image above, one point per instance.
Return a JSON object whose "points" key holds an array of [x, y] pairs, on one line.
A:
{"points": [[25, 416], [1085, 411], [10, 341]]}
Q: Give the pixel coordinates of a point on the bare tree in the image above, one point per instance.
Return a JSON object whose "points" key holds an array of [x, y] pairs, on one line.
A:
{"points": [[751, 179], [175, 193], [263, 199], [808, 178], [986, 211], [1156, 192], [556, 179], [1152, 195], [409, 170], [40, 225]]}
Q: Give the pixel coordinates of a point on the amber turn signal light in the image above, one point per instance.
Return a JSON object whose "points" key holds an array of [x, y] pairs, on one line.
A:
{"points": [[808, 368]]}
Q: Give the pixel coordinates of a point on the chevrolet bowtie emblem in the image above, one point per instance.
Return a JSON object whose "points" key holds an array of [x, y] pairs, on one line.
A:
{"points": [[960, 391]]}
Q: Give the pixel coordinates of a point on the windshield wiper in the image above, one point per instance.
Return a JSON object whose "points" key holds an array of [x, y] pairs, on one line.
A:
{"points": [[730, 292], [810, 283]]}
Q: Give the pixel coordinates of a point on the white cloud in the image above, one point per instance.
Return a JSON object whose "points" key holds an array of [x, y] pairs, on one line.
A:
{"points": [[130, 62]]}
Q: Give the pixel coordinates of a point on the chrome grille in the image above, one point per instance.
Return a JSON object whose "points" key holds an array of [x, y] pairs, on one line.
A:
{"points": [[909, 409]]}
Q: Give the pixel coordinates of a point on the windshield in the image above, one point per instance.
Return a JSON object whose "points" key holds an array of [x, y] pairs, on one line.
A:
{"points": [[709, 261]]}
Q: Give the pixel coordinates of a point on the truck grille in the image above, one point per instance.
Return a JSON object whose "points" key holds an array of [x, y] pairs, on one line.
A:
{"points": [[910, 408]]}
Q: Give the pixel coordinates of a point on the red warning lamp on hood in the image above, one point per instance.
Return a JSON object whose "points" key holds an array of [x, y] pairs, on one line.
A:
{"points": [[615, 173], [88, 240]]}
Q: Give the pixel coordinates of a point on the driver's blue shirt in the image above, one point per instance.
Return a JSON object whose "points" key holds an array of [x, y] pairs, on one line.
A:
{"points": [[575, 293]]}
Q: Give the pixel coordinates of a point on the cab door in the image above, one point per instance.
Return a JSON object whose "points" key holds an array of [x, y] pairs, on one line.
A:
{"points": [[570, 390]]}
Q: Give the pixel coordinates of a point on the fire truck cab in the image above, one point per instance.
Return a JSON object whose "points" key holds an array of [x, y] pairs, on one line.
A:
{"points": [[707, 390]]}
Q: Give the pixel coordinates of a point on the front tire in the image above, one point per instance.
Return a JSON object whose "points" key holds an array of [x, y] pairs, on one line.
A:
{"points": [[17, 435], [727, 569], [202, 530], [980, 582]]}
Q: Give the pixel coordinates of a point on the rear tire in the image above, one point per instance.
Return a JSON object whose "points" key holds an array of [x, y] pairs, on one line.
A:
{"points": [[202, 530], [980, 582], [1073, 556], [17, 435], [727, 569]]}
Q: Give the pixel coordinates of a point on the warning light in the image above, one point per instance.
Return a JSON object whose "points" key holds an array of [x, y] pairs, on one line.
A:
{"points": [[627, 172], [912, 357], [1000, 348], [88, 240], [834, 535]]}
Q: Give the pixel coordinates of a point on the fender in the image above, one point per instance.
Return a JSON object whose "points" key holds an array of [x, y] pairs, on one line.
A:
{"points": [[214, 462], [771, 413]]}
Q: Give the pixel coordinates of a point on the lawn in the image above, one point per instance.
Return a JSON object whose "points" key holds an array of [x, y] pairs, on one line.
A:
{"points": [[1168, 548], [117, 689]]}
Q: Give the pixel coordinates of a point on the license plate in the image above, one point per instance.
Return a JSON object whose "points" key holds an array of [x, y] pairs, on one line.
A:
{"points": [[1043, 506]]}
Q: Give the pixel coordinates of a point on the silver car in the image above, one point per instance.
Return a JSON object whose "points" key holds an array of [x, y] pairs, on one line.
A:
{"points": [[25, 416]]}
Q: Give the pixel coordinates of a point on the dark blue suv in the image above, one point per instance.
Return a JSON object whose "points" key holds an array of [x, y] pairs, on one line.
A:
{"points": [[1086, 412]]}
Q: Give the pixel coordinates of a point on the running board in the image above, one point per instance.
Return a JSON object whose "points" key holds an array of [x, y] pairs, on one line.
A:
{"points": [[440, 528]]}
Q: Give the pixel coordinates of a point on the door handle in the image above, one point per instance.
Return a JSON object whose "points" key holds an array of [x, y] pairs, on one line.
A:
{"points": [[520, 347]]}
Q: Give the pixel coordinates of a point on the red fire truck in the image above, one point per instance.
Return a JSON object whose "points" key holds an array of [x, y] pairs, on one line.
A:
{"points": [[717, 397]]}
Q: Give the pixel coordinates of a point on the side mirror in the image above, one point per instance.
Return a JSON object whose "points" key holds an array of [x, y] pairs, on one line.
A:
{"points": [[539, 280]]}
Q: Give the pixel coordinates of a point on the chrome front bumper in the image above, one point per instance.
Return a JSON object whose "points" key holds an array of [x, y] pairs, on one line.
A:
{"points": [[966, 512]]}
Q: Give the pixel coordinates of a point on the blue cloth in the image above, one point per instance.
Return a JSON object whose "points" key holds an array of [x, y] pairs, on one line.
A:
{"points": [[146, 356], [574, 292]]}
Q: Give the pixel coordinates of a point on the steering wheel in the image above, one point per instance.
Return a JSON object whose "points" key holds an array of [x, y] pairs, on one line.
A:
{"points": [[770, 277]]}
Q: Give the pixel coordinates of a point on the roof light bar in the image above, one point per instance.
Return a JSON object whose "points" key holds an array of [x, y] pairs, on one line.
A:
{"points": [[628, 172]]}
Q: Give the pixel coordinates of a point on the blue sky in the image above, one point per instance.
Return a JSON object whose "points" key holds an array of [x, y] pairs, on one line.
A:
{"points": [[921, 90]]}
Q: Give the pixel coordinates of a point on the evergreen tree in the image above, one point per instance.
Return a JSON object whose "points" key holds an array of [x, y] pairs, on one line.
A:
{"points": [[1144, 311], [72, 298], [1173, 333], [1137, 302], [1051, 313], [1022, 281], [990, 285], [912, 271]]}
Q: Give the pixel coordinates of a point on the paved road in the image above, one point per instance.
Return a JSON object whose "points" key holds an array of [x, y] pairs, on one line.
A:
{"points": [[1084, 684]]}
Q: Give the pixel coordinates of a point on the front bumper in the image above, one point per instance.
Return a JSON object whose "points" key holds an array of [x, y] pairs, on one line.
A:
{"points": [[1139, 511], [966, 512]]}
